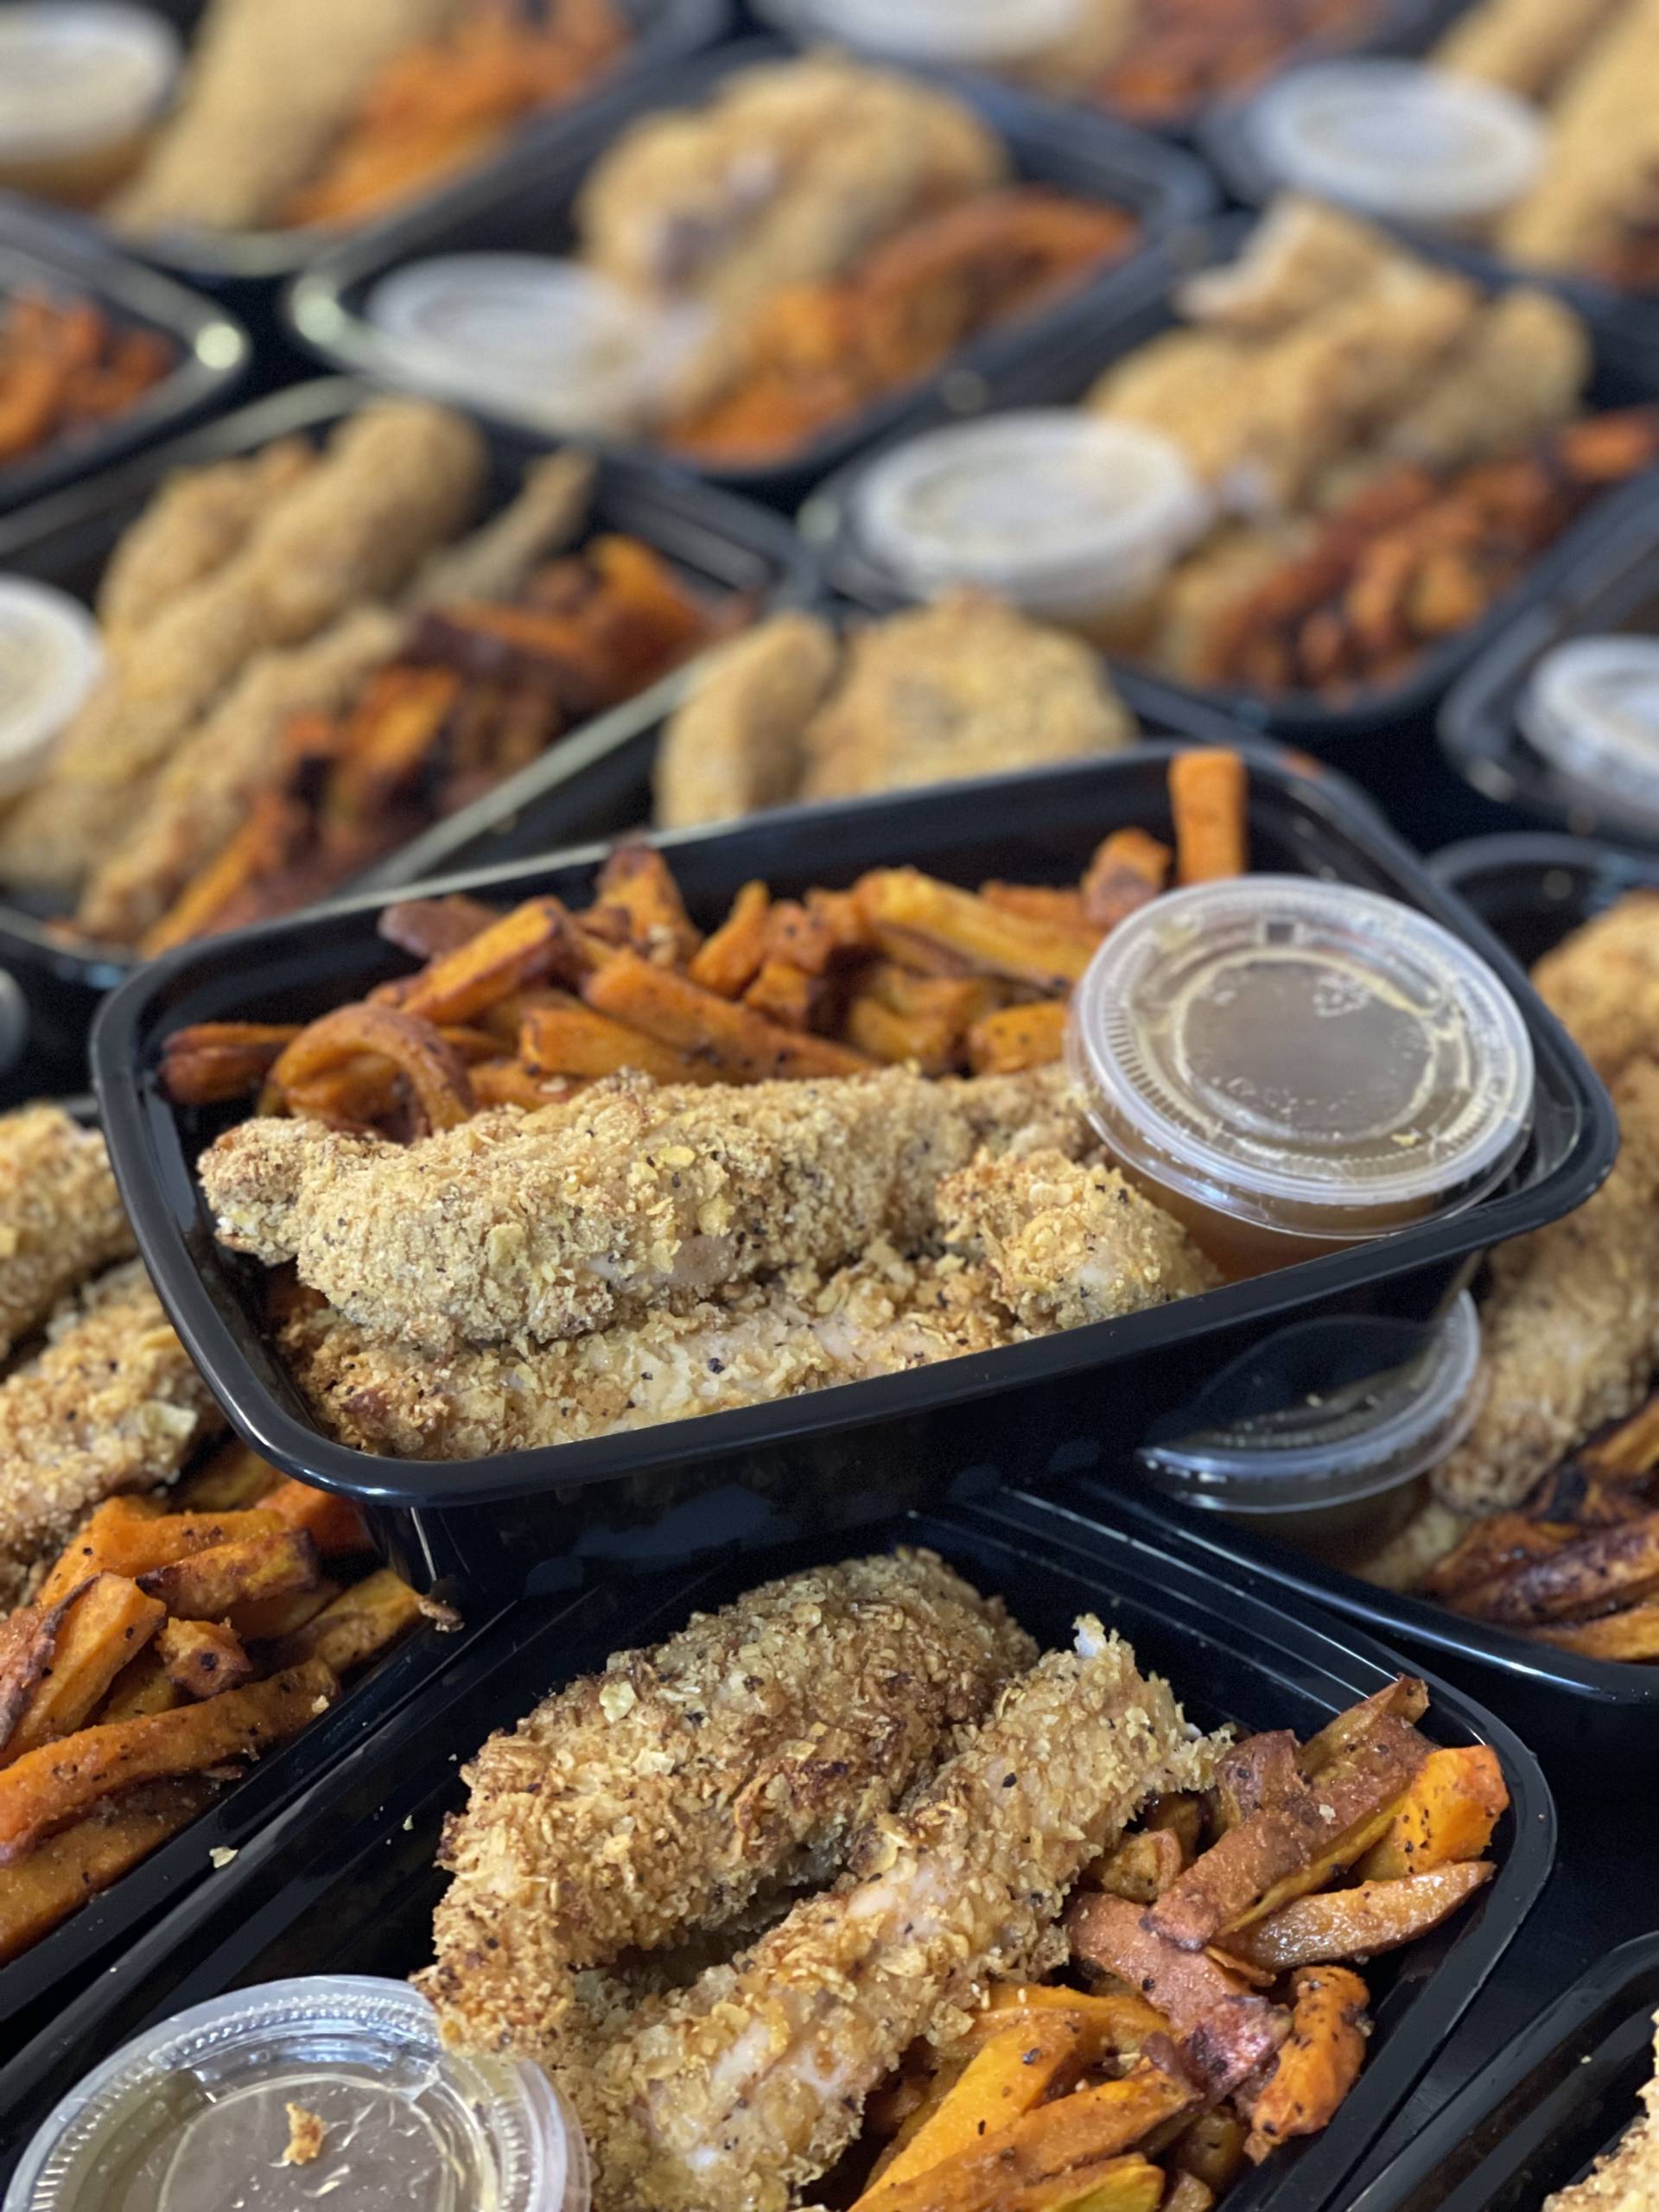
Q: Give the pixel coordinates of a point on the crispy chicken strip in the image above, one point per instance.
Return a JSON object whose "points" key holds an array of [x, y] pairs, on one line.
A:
{"points": [[1302, 257], [112, 1403], [1603, 148], [1523, 45], [549, 1224], [1571, 1329], [751, 1345], [1626, 2178], [736, 745], [1520, 373], [669, 1793], [549, 514], [1069, 1243], [60, 1216], [749, 2086], [1603, 982]]}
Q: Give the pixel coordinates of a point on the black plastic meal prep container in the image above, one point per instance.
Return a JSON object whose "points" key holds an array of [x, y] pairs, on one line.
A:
{"points": [[41, 252], [1383, 737], [1613, 589], [1594, 1716], [1060, 1404], [525, 205], [344, 1883], [719, 541]]}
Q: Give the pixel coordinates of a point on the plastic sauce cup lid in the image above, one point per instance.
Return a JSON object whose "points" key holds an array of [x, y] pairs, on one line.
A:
{"points": [[942, 31], [50, 657], [80, 73], [1395, 138], [1305, 1056], [193, 2117], [1592, 710], [1064, 513], [550, 339], [1336, 1445]]}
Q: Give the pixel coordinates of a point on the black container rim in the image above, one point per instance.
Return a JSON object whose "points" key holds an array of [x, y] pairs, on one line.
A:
{"points": [[1161, 1574], [144, 1145], [1091, 341], [1466, 863], [214, 350], [1169, 189]]}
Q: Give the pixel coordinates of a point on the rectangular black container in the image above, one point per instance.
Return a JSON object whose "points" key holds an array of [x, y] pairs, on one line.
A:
{"points": [[346, 1884], [1613, 589], [1558, 2098], [524, 205], [1087, 1394], [40, 252], [1592, 1715], [718, 541], [1362, 736]]}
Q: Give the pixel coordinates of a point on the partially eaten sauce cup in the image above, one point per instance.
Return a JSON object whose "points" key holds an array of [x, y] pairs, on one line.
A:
{"points": [[332, 2090], [1592, 710], [81, 82], [1292, 1067]]}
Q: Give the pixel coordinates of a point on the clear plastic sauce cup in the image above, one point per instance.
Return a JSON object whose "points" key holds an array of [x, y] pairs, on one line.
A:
{"points": [[50, 657], [212, 2112], [1292, 1067], [1399, 139], [1073, 519], [987, 32], [1592, 709], [81, 82]]}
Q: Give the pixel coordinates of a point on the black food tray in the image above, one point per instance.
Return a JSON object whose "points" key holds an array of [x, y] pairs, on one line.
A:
{"points": [[46, 253], [1559, 2097], [245, 262], [1364, 732], [1530, 891], [814, 1454], [720, 542], [1613, 589], [524, 204], [345, 1882]]}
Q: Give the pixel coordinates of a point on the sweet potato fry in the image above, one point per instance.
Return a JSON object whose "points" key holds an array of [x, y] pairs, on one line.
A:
{"points": [[1118, 2023], [131, 1536], [988, 938], [233, 1479], [1405, 1699], [1613, 1566], [1182, 1814], [1630, 1635], [1262, 1771], [1317, 2063], [1211, 2148], [1129, 871], [334, 1525], [1209, 794], [1357, 1923], [28, 1638], [1448, 1813], [732, 1040], [1140, 1868], [534, 941], [1009, 2074], [1188, 2194], [1042, 902], [434, 1070], [266, 1620], [1492, 1548], [785, 994], [1110, 1934], [107, 1624], [568, 1039], [51, 1787], [1127, 2185], [1628, 1450], [205, 1586], [637, 880], [508, 1083], [729, 960], [201, 1658], [355, 1627], [61, 1874], [216, 1061], [144, 1686], [1018, 1038], [928, 1041], [430, 928]]}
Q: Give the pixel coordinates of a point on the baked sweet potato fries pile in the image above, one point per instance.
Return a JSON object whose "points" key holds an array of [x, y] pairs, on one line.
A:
{"points": [[1188, 53], [1414, 558], [172, 1640], [64, 367], [1208, 2015], [525, 1007]]}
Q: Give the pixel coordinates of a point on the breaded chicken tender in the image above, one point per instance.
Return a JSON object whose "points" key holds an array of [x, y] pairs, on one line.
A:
{"points": [[61, 1218], [1525, 46], [1603, 982], [670, 1792], [1626, 2178], [744, 2090], [546, 1226], [547, 514], [1571, 1329], [737, 744], [1517, 374], [1602, 150], [1302, 257], [112, 1403]]}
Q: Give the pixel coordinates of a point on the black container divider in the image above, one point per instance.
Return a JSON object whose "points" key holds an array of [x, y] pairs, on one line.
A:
{"points": [[1591, 1715], [525, 205], [716, 541], [344, 1883], [1559, 2097], [41, 252], [1613, 589], [816, 1458], [1362, 736]]}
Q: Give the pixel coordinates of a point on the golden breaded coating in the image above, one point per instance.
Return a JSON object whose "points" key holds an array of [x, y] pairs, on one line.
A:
{"points": [[1523, 45], [744, 2090], [549, 512], [737, 743], [1571, 1329], [1519, 374], [1602, 153], [1069, 1243], [755, 1344], [549, 1224], [1301, 257], [112, 1403], [61, 1218], [967, 686], [670, 1792], [1603, 982], [1626, 2179]]}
